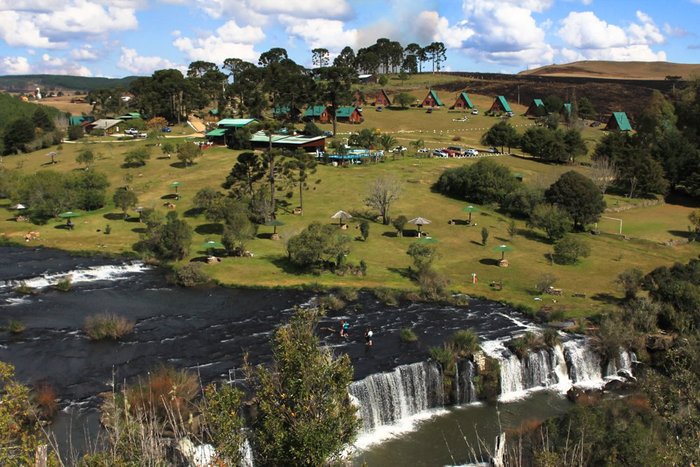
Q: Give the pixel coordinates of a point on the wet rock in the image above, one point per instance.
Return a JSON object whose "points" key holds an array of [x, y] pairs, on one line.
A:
{"points": [[579, 395]]}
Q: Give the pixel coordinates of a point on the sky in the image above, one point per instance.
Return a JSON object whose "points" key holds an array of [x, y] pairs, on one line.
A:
{"points": [[117, 38]]}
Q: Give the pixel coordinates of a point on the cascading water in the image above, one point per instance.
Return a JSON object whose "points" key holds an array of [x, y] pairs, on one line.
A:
{"points": [[464, 391], [584, 364], [91, 274], [386, 398]]}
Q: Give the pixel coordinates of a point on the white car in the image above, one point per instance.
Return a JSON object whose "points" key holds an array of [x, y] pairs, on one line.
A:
{"points": [[423, 150], [131, 131], [475, 111], [471, 153], [438, 153], [399, 149]]}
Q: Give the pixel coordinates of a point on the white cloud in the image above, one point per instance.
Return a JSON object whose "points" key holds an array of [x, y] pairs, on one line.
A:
{"points": [[675, 31], [506, 32], [229, 41], [258, 12], [327, 33], [132, 62], [14, 66], [433, 27], [587, 37], [84, 53], [20, 31], [60, 66]]}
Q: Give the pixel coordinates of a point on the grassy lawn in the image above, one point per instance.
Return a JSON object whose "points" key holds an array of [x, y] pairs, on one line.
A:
{"points": [[345, 188]]}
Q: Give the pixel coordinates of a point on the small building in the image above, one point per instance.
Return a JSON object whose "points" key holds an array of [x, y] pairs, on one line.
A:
{"points": [[463, 102], [368, 79], [225, 127], [382, 99], [618, 121], [349, 114], [536, 109], [432, 100], [76, 120], [130, 116], [308, 143], [286, 112], [108, 125], [317, 113], [566, 110], [500, 104]]}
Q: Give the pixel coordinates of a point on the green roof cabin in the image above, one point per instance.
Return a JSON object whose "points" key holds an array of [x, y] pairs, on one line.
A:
{"points": [[566, 109], [225, 126], [618, 122], [75, 120], [317, 112], [285, 112], [500, 104], [432, 100], [536, 109], [130, 116], [349, 114], [463, 102]]}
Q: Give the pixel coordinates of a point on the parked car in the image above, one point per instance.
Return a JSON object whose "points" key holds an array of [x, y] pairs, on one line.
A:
{"points": [[493, 150], [328, 133], [475, 111], [379, 108], [423, 150], [131, 131], [471, 153], [439, 153], [399, 149], [166, 129]]}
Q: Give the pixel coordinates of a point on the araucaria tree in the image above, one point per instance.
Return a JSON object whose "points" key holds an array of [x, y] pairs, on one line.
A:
{"points": [[579, 196], [382, 193], [304, 413]]}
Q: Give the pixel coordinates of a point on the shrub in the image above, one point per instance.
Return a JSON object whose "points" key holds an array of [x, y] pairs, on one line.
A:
{"points": [[445, 357], [569, 249], [15, 326], [107, 326], [24, 289], [488, 379], [387, 296], [551, 337], [484, 182], [108, 229], [432, 284], [484, 235], [45, 398], [630, 280], [347, 294], [544, 282], [64, 285], [422, 255], [75, 132], [364, 229], [331, 302], [465, 343], [399, 224], [166, 391], [524, 344], [318, 246], [191, 275], [408, 335]]}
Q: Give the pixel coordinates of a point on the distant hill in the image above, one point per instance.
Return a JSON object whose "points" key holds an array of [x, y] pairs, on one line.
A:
{"points": [[25, 83], [618, 70]]}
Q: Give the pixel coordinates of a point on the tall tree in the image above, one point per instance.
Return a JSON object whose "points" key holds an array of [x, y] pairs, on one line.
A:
{"points": [[383, 191], [501, 134], [304, 414], [300, 167], [320, 57], [437, 54], [335, 88], [579, 196], [249, 169], [345, 59], [274, 55]]}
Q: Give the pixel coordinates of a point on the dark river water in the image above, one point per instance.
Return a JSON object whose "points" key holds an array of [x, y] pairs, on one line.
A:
{"points": [[205, 330]]}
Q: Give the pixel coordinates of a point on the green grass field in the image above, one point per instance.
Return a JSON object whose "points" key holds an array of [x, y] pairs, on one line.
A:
{"points": [[461, 253]]}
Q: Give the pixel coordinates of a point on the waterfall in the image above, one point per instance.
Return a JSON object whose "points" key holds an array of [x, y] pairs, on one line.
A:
{"points": [[622, 364], [584, 364], [91, 274], [464, 391], [538, 369], [386, 398], [246, 454]]}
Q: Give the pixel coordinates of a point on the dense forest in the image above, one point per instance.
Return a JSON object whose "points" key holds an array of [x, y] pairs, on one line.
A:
{"points": [[21, 83]]}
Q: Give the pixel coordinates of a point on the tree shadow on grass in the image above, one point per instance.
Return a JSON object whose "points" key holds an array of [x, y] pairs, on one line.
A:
{"points": [[139, 230], [406, 273], [209, 229], [606, 298], [114, 216], [286, 266], [474, 242], [489, 261], [532, 235], [390, 234], [679, 233], [193, 212], [170, 196], [178, 165], [459, 222]]}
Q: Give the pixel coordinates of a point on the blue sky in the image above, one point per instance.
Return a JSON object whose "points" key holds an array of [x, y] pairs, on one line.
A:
{"points": [[124, 37]]}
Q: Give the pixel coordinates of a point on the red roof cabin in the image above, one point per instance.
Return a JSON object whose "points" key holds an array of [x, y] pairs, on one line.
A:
{"points": [[536, 109], [500, 104], [382, 98], [432, 100], [463, 102]]}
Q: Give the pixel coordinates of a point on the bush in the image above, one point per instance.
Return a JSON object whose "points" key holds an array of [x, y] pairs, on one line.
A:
{"points": [[569, 249], [484, 182], [422, 255], [523, 345], [399, 224], [387, 296], [75, 132], [24, 289], [167, 392], [191, 275], [331, 302], [64, 285], [347, 294], [445, 357], [465, 343], [484, 236], [15, 326], [107, 326], [432, 284], [551, 337], [544, 282], [318, 246], [364, 229], [408, 335], [45, 398], [488, 380]]}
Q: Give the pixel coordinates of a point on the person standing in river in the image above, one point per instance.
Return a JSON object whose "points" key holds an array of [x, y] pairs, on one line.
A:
{"points": [[368, 337]]}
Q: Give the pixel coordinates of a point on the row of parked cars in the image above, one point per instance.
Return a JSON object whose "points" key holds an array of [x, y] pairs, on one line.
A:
{"points": [[455, 151]]}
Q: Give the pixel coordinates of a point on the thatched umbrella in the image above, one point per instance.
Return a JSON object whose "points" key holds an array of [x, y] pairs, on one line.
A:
{"points": [[52, 155], [503, 249], [19, 207], [341, 216], [419, 222], [470, 209]]}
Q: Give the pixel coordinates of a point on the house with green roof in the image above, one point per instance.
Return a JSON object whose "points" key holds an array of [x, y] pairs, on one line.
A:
{"points": [[618, 121], [432, 100], [349, 114], [536, 109], [317, 112], [261, 140], [130, 116], [566, 110], [285, 112], [500, 105], [225, 127], [463, 101], [76, 120]]}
